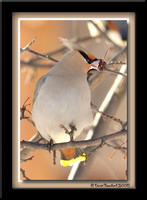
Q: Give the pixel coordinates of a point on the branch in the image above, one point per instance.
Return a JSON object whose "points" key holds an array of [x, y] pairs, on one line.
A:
{"points": [[25, 152], [32, 61], [26, 48], [122, 123], [105, 35], [24, 174], [76, 144], [28, 45], [98, 77], [35, 64]]}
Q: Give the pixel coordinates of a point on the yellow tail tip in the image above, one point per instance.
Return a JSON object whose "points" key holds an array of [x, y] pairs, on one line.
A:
{"points": [[73, 161]]}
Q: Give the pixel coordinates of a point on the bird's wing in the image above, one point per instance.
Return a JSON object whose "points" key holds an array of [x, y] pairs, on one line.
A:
{"points": [[39, 84]]}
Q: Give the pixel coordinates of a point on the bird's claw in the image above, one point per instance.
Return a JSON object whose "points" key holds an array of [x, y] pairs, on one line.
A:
{"points": [[73, 128], [71, 132]]}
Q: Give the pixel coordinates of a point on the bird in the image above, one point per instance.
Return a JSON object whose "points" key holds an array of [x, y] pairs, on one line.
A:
{"points": [[62, 99]]}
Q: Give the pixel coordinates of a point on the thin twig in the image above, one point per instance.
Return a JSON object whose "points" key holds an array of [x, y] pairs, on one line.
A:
{"points": [[24, 174], [22, 112], [114, 146], [41, 55], [28, 119], [27, 159], [54, 157], [122, 123], [98, 77], [33, 63], [31, 121], [109, 70], [116, 150], [22, 50], [25, 152], [26, 48], [104, 35]]}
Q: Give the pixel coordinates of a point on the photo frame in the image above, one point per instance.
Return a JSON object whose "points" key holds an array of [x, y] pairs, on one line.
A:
{"points": [[86, 184]]}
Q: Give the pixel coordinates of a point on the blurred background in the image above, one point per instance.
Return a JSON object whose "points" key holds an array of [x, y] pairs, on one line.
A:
{"points": [[91, 37]]}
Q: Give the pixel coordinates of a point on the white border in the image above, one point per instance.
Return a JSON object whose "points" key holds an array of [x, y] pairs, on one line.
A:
{"points": [[73, 18], [19, 101]]}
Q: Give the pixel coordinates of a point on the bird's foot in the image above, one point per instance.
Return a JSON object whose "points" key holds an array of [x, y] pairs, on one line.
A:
{"points": [[49, 145], [71, 132], [72, 128]]}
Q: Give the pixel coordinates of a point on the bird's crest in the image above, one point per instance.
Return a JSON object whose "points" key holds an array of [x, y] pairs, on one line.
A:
{"points": [[74, 46], [71, 45]]}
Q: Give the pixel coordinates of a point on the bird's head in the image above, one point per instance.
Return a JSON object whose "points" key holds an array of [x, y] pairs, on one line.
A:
{"points": [[81, 55]]}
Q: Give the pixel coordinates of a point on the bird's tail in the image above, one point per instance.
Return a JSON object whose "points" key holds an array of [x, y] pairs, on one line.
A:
{"points": [[71, 156]]}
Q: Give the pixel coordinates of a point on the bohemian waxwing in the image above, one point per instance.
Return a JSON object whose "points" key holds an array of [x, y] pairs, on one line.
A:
{"points": [[62, 97]]}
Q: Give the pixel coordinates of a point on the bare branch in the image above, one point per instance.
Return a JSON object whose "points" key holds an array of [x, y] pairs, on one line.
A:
{"points": [[26, 48], [104, 35], [98, 77], [76, 144], [25, 160], [33, 63], [25, 152], [123, 124], [41, 55], [24, 174], [122, 74], [117, 149], [114, 146], [28, 119]]}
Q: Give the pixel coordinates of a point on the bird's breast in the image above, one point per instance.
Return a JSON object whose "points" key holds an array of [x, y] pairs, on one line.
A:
{"points": [[62, 101]]}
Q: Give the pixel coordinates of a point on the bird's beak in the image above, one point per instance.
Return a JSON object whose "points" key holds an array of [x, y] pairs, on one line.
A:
{"points": [[94, 65]]}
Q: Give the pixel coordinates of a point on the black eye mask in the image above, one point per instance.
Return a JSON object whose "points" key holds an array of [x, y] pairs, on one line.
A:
{"points": [[86, 57]]}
